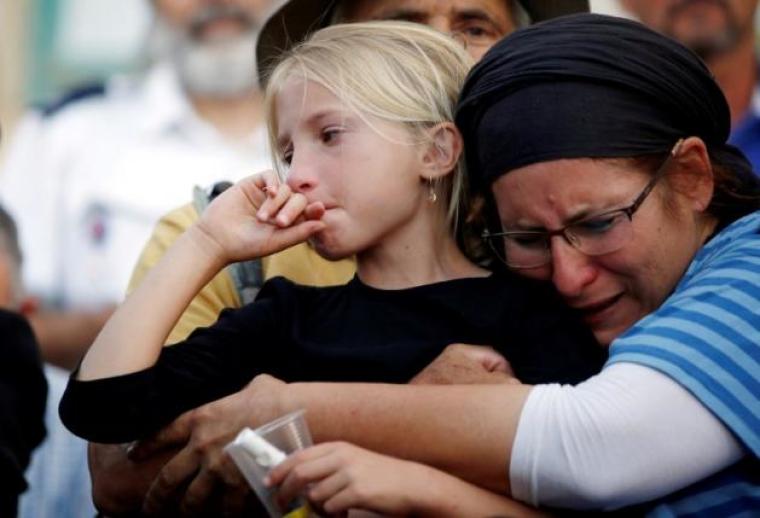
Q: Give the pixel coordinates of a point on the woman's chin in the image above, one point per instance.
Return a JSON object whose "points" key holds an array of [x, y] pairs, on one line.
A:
{"points": [[605, 334]]}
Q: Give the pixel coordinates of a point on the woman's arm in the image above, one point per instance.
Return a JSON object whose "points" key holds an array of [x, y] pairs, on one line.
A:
{"points": [[626, 436], [466, 430], [256, 217]]}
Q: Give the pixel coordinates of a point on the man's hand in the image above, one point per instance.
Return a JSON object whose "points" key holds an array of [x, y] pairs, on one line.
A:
{"points": [[461, 364], [118, 483], [202, 466]]}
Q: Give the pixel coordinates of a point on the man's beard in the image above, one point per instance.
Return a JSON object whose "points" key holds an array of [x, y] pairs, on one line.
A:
{"points": [[711, 44], [221, 67]]}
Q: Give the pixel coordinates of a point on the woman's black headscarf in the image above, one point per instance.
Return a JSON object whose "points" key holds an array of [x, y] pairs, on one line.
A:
{"points": [[588, 86]]}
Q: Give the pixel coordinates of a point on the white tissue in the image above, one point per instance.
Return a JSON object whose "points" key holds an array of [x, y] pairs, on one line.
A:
{"points": [[264, 453]]}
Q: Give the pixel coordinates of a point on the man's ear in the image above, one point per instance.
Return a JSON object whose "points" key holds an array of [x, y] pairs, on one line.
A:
{"points": [[692, 176], [442, 151]]}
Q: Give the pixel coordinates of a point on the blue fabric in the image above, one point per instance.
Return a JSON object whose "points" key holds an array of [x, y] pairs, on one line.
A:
{"points": [[59, 480], [746, 136], [706, 336]]}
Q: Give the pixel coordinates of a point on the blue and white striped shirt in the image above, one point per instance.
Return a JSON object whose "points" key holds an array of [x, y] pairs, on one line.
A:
{"points": [[706, 336]]}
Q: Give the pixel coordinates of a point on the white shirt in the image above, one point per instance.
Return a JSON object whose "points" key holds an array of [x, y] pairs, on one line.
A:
{"points": [[87, 184], [628, 435]]}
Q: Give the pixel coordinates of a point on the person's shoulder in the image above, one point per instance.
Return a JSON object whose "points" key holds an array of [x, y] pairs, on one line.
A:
{"points": [[13, 324], [179, 219], [106, 108], [20, 346], [732, 247], [83, 95]]}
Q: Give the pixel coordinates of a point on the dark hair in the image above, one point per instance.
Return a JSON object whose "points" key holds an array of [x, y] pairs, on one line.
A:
{"points": [[737, 187], [736, 191]]}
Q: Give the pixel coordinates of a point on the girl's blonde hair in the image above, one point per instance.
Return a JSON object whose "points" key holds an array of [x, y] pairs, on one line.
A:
{"points": [[399, 72]]}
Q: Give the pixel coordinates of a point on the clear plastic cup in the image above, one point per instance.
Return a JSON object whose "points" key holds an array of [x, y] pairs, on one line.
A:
{"points": [[287, 434]]}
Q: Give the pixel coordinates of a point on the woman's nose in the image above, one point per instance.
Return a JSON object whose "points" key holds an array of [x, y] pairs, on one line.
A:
{"points": [[572, 270]]}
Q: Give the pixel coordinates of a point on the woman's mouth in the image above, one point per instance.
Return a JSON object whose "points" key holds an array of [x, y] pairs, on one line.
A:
{"points": [[598, 312]]}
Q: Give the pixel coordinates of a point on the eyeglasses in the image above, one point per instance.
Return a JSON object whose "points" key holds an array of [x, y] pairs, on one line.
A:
{"points": [[597, 235]]}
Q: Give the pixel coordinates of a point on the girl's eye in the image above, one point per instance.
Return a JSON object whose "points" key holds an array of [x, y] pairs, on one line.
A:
{"points": [[330, 135], [287, 156]]}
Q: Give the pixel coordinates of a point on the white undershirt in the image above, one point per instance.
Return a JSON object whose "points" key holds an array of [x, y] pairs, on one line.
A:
{"points": [[628, 435]]}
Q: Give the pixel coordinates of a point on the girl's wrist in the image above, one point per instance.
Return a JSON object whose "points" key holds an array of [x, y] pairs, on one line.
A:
{"points": [[422, 495], [205, 246]]}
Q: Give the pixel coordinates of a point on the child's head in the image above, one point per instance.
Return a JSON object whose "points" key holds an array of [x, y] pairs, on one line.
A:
{"points": [[386, 72]]}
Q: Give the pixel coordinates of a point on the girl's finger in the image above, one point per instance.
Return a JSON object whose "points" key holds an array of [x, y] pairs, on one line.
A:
{"points": [[327, 488], [259, 187], [273, 203], [286, 237], [267, 181], [291, 211], [314, 210], [306, 473], [343, 500], [279, 472]]}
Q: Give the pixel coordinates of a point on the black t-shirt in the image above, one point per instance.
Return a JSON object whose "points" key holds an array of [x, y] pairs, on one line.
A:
{"points": [[343, 333], [23, 391]]}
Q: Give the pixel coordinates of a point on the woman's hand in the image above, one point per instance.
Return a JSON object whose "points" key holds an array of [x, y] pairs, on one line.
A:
{"points": [[257, 217], [338, 476]]}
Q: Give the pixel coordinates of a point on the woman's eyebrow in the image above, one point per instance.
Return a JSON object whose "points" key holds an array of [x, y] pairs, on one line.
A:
{"points": [[582, 214]]}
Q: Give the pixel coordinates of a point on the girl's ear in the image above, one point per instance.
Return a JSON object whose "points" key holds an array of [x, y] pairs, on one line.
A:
{"points": [[693, 175], [442, 150]]}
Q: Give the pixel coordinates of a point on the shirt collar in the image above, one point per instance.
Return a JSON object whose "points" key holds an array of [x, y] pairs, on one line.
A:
{"points": [[163, 105]]}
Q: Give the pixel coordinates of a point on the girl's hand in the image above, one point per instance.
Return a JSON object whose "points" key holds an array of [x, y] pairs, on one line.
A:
{"points": [[257, 217], [338, 476]]}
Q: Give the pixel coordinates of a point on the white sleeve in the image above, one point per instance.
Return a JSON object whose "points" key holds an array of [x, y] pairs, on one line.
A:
{"points": [[628, 435], [30, 187]]}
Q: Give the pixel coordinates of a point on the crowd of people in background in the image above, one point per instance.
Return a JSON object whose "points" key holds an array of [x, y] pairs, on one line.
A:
{"points": [[592, 218]]}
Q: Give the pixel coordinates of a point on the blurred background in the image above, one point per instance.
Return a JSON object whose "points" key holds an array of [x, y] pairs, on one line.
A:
{"points": [[48, 47]]}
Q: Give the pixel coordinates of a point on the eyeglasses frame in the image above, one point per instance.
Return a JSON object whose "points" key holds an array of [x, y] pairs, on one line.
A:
{"points": [[629, 211]]}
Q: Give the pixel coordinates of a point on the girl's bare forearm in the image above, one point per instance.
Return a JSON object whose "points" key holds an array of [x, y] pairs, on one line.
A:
{"points": [[132, 338]]}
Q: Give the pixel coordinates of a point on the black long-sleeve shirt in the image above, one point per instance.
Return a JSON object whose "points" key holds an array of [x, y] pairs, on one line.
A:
{"points": [[344, 333]]}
